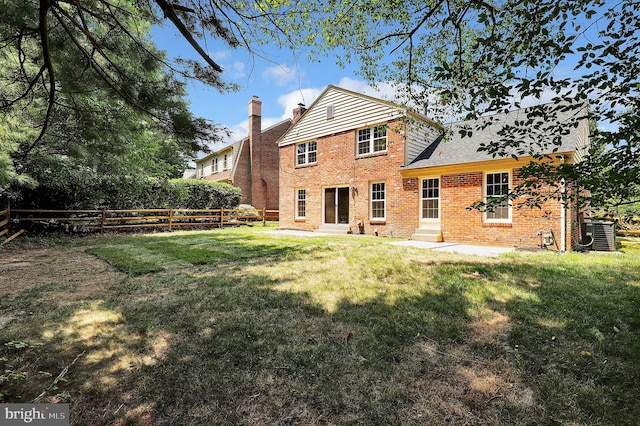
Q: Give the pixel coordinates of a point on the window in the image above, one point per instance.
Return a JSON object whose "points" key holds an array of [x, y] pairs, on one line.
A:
{"points": [[307, 153], [301, 203], [224, 162], [431, 198], [372, 140], [496, 189], [215, 165], [378, 201]]}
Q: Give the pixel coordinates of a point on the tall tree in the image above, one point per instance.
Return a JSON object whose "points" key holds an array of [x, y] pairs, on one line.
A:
{"points": [[467, 58], [82, 79], [453, 57]]}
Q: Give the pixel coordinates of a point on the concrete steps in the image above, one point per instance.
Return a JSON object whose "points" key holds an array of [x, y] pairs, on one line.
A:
{"points": [[431, 235]]}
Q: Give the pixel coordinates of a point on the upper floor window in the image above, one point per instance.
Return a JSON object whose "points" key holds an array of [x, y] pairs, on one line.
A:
{"points": [[215, 165], [306, 153], [372, 140], [496, 193], [225, 164]]}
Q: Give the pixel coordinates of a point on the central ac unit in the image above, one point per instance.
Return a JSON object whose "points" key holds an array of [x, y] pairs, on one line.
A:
{"points": [[603, 234]]}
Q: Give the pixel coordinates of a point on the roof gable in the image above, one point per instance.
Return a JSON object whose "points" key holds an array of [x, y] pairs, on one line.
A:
{"points": [[337, 110]]}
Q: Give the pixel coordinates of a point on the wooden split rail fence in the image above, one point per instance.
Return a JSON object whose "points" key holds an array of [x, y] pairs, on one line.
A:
{"points": [[104, 220], [5, 219]]}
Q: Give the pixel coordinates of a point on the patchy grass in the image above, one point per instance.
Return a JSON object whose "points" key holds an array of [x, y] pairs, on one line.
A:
{"points": [[238, 326]]}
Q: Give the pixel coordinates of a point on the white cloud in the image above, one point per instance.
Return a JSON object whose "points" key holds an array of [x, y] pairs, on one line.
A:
{"points": [[384, 91], [237, 132], [290, 101], [239, 69], [220, 55], [281, 75]]}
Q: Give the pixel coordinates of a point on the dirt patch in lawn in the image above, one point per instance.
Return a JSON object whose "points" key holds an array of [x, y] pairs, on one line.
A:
{"points": [[71, 268]]}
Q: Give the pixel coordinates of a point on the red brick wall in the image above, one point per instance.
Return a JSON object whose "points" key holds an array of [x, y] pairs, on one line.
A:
{"points": [[242, 175], [462, 225], [270, 160], [337, 165], [266, 195], [258, 193]]}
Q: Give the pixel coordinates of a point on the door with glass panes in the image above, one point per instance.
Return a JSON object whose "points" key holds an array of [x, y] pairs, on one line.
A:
{"points": [[336, 206], [430, 201]]}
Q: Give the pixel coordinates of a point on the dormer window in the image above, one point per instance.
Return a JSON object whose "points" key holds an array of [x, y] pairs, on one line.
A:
{"points": [[372, 140]]}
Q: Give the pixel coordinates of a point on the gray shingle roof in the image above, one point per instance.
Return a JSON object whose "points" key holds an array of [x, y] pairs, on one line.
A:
{"points": [[539, 130]]}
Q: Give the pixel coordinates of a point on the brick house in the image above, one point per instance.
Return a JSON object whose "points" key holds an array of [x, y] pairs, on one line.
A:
{"points": [[354, 163], [251, 163]]}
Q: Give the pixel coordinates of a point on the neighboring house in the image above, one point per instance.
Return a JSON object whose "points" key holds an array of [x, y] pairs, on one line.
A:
{"points": [[252, 163], [355, 163], [189, 174]]}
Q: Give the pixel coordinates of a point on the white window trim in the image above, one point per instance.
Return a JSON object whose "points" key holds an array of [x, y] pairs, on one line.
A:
{"points": [[371, 140], [431, 220], [306, 153], [371, 200], [215, 165], [484, 196], [297, 212]]}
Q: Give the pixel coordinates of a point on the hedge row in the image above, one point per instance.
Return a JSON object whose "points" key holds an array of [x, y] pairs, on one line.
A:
{"points": [[126, 192]]}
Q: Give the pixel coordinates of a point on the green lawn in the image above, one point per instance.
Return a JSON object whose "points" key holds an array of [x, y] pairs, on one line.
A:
{"points": [[239, 326]]}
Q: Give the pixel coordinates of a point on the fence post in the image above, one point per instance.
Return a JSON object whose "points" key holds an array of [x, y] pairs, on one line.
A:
{"points": [[221, 217], [170, 219], [264, 217], [7, 221], [104, 214]]}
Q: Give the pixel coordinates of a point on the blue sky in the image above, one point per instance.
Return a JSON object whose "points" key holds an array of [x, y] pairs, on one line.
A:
{"points": [[280, 82]]}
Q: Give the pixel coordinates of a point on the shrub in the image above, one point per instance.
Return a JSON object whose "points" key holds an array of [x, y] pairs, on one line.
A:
{"points": [[63, 188], [203, 194], [83, 189]]}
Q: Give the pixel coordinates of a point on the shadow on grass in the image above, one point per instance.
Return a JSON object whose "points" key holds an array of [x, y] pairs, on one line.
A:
{"points": [[434, 341]]}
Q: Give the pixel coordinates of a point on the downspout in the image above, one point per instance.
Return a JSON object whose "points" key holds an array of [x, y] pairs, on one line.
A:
{"points": [[563, 214], [563, 219]]}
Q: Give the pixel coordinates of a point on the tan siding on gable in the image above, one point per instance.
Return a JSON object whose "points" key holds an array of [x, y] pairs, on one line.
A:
{"points": [[419, 136], [583, 144], [350, 111]]}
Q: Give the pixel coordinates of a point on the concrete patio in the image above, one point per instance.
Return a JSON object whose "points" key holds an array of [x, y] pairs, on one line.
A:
{"points": [[447, 247]]}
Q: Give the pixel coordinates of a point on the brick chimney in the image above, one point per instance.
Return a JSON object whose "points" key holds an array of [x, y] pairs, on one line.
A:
{"points": [[298, 112], [258, 196]]}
